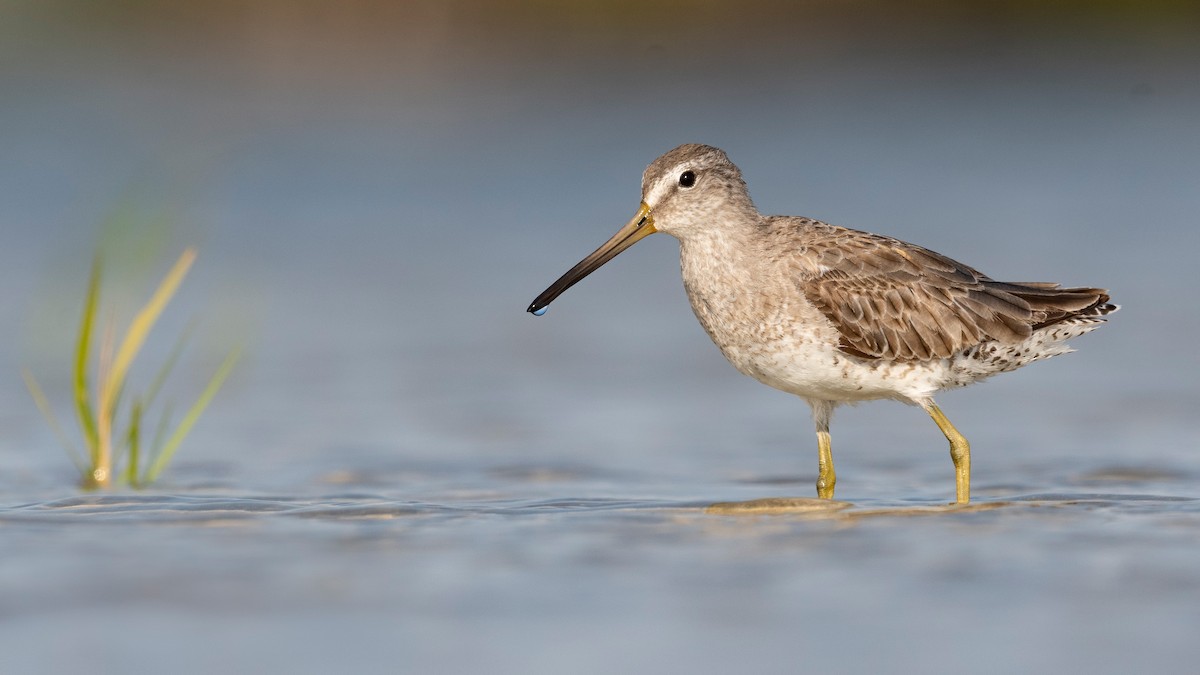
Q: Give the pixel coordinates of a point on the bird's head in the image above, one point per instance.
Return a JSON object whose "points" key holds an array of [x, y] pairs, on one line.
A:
{"points": [[684, 193]]}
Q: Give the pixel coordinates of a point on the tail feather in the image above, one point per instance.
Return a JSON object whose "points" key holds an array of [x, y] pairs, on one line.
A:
{"points": [[1056, 315], [1052, 304]]}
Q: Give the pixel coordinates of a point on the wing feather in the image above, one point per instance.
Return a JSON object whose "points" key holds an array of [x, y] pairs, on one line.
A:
{"points": [[890, 299]]}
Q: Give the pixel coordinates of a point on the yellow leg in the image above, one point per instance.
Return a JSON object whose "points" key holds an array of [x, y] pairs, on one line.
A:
{"points": [[826, 478], [960, 452]]}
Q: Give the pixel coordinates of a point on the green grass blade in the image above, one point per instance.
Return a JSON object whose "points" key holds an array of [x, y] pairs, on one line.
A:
{"points": [[164, 455], [83, 407], [133, 438], [141, 325], [43, 405], [143, 403]]}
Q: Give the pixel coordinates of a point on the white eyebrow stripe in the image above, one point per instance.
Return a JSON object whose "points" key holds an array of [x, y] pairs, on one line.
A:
{"points": [[660, 189]]}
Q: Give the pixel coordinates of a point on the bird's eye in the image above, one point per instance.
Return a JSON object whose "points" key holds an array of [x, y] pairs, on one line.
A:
{"points": [[687, 179]]}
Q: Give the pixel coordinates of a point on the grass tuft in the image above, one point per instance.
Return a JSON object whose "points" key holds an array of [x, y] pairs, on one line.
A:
{"points": [[98, 409]]}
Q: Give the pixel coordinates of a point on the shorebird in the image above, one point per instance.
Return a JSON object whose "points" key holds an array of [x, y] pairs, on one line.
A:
{"points": [[835, 315]]}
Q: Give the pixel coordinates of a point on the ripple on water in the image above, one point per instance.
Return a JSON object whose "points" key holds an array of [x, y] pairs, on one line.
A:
{"points": [[191, 508]]}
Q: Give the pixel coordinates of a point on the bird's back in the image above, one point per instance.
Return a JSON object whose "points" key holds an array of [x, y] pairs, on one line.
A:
{"points": [[890, 299]]}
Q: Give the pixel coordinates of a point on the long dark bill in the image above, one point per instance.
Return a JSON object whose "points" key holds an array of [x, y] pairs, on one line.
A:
{"points": [[641, 225]]}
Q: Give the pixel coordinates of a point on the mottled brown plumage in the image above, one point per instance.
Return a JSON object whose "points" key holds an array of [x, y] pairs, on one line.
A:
{"points": [[892, 300], [836, 315]]}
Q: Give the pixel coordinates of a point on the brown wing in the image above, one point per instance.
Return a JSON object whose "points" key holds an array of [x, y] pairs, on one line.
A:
{"points": [[890, 299]]}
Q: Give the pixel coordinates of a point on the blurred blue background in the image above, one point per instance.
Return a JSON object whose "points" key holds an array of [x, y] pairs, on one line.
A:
{"points": [[379, 189]]}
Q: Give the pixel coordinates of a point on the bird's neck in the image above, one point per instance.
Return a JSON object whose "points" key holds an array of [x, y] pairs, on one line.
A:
{"points": [[718, 267]]}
